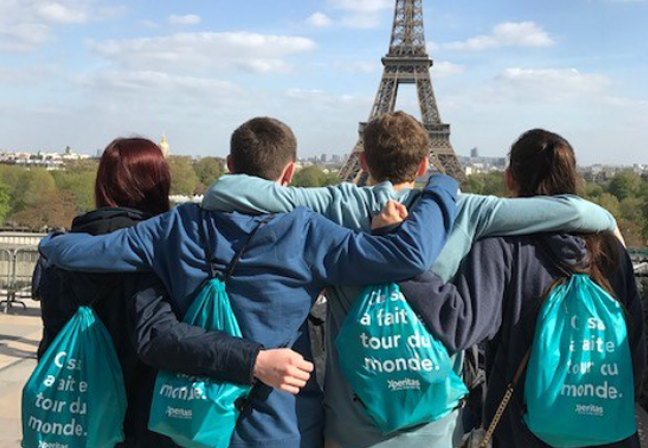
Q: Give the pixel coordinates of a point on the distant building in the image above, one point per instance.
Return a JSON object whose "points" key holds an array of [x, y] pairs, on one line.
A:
{"points": [[49, 161], [476, 164], [164, 146]]}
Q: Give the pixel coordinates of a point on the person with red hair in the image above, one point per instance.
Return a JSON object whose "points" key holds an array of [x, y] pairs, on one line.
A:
{"points": [[133, 183]]}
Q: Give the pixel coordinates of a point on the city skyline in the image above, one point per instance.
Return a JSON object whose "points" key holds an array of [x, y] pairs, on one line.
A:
{"points": [[81, 72]]}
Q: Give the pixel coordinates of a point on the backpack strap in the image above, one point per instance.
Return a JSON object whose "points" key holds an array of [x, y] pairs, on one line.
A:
{"points": [[239, 254], [505, 401], [205, 236]]}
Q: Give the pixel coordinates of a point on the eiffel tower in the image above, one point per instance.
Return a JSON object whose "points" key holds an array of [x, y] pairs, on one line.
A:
{"points": [[408, 63]]}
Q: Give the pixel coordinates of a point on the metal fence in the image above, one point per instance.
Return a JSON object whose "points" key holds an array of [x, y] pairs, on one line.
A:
{"points": [[16, 269]]}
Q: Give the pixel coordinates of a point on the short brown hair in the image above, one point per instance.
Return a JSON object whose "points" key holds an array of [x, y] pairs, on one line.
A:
{"points": [[395, 144], [262, 147]]}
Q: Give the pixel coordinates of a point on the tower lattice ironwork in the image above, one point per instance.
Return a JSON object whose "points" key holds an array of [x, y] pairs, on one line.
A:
{"points": [[408, 62]]}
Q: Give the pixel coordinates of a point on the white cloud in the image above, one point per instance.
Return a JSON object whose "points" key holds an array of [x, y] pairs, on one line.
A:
{"points": [[361, 14], [258, 53], [549, 85], [444, 69], [362, 6], [361, 21], [23, 36], [132, 82], [355, 66], [58, 13], [189, 19], [506, 34], [320, 20], [29, 75], [319, 96], [26, 25]]}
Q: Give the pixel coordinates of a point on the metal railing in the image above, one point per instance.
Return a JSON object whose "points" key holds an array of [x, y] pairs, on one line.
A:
{"points": [[16, 270]]}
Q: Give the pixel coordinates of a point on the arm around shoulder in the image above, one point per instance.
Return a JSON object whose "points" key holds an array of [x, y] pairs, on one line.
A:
{"points": [[339, 256], [467, 311], [525, 216], [164, 342]]}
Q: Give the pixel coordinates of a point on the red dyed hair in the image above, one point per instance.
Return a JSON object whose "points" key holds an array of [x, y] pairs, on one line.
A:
{"points": [[133, 173]]}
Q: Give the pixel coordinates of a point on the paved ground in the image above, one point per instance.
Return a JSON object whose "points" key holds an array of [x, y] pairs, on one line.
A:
{"points": [[20, 332]]}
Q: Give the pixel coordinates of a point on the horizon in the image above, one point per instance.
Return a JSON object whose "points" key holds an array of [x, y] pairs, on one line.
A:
{"points": [[86, 71]]}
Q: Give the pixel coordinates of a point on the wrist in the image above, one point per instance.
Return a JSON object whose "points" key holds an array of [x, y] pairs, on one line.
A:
{"points": [[257, 362]]}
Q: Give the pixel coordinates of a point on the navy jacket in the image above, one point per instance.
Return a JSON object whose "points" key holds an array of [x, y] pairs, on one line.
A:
{"points": [[495, 298], [285, 267], [136, 312]]}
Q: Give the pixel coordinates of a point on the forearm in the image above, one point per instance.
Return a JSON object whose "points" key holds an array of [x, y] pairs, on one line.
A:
{"points": [[524, 216], [116, 252], [467, 311], [357, 259], [344, 204], [445, 311], [164, 342]]}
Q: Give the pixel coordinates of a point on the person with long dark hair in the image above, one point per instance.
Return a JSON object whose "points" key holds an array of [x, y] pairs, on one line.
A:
{"points": [[497, 293], [133, 183]]}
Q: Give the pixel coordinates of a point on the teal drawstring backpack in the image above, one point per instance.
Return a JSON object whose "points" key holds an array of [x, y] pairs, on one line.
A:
{"points": [[399, 372], [579, 387], [200, 412], [76, 396]]}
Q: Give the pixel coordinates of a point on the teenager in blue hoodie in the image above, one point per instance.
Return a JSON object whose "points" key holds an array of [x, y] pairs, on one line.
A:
{"points": [[497, 293], [396, 153], [286, 265]]}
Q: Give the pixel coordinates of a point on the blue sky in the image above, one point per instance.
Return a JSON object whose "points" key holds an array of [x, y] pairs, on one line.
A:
{"points": [[81, 72]]}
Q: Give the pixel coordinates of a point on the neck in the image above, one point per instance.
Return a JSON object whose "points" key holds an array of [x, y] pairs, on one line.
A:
{"points": [[398, 187]]}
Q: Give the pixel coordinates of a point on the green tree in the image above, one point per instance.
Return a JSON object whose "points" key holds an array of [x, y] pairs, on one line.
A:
{"points": [[5, 201], [631, 221], [314, 176], [487, 184], [183, 177], [474, 184], [49, 210], [592, 190], [610, 203], [624, 185], [208, 170], [30, 185], [79, 184]]}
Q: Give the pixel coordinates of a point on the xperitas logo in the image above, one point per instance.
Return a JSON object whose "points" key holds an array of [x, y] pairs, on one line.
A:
{"points": [[184, 414], [590, 409], [406, 384]]}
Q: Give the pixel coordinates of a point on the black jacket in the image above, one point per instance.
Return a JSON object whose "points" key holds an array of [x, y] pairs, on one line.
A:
{"points": [[495, 297], [143, 327]]}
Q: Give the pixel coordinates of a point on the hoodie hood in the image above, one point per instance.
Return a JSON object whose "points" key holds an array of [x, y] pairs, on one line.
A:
{"points": [[106, 220], [569, 249]]}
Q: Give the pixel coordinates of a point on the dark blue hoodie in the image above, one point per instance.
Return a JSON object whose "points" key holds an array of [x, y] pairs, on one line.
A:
{"points": [[142, 327], [495, 298]]}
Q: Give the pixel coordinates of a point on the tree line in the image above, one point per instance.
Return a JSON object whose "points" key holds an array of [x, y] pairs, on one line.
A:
{"points": [[37, 199]]}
